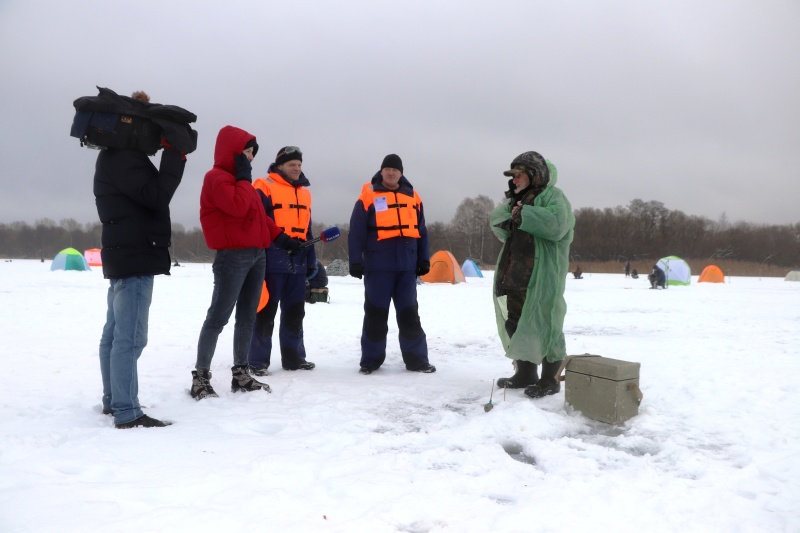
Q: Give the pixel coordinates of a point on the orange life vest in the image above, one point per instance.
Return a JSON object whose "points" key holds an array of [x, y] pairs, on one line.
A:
{"points": [[291, 205], [395, 214]]}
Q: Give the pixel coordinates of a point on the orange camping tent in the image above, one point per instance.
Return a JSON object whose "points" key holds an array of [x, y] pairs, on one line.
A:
{"points": [[711, 274], [444, 269]]}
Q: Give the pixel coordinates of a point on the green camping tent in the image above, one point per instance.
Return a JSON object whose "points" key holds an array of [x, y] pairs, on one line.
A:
{"points": [[69, 259], [676, 269]]}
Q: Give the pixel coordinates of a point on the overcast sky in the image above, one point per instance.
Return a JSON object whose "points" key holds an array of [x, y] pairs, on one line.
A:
{"points": [[692, 103]]}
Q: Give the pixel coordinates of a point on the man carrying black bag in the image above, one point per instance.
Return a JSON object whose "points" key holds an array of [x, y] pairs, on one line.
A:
{"points": [[132, 198]]}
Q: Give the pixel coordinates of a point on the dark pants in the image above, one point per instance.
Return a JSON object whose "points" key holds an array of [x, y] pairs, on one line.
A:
{"points": [[380, 289], [238, 275], [655, 282], [515, 300], [288, 291]]}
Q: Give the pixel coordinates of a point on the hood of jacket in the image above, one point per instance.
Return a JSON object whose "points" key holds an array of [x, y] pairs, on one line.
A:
{"points": [[230, 142]]}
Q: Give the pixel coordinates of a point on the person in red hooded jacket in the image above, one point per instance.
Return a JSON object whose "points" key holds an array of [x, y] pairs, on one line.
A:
{"points": [[235, 225]]}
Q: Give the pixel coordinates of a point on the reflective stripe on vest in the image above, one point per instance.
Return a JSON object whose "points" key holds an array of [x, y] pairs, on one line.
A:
{"points": [[291, 206], [396, 215]]}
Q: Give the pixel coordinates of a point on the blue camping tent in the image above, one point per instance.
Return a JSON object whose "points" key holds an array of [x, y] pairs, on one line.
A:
{"points": [[470, 269], [69, 259]]}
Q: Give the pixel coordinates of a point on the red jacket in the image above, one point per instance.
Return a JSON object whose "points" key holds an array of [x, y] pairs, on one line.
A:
{"points": [[231, 213]]}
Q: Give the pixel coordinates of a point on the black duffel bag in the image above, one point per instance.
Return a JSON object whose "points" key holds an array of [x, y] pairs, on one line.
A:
{"points": [[109, 120]]}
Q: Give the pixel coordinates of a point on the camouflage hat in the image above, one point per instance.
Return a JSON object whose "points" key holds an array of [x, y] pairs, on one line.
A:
{"points": [[515, 170], [532, 163]]}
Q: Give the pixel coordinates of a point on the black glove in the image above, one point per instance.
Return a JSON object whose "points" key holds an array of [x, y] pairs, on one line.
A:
{"points": [[281, 240], [244, 170], [511, 189], [356, 270], [290, 244], [293, 246], [423, 268]]}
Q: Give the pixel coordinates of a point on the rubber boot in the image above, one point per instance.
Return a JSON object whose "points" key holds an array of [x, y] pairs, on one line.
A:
{"points": [[549, 384], [525, 375]]}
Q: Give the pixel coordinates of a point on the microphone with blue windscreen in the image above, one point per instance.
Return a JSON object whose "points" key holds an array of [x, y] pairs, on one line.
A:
{"points": [[328, 235]]}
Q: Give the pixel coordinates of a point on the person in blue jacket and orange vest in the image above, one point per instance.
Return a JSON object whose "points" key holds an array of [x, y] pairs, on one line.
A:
{"points": [[235, 225], [286, 200], [388, 247]]}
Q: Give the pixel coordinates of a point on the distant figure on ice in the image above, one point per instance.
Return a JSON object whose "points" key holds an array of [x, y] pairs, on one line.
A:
{"points": [[635, 274], [536, 226], [578, 272], [627, 269], [657, 278]]}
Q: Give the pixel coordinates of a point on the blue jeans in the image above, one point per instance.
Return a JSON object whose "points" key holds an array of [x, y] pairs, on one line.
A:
{"points": [[124, 337], [238, 276]]}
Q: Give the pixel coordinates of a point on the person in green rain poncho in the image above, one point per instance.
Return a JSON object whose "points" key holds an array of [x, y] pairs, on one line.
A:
{"points": [[536, 226]]}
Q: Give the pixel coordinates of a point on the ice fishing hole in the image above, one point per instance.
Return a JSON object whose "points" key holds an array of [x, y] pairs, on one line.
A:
{"points": [[516, 452]]}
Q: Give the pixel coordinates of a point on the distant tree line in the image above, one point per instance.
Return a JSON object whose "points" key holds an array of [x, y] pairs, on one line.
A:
{"points": [[640, 231], [648, 230]]}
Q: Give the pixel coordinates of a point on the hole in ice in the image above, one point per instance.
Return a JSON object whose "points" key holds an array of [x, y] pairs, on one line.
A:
{"points": [[516, 452]]}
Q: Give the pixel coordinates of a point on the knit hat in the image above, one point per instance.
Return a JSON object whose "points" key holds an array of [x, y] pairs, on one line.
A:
{"points": [[288, 153], [392, 161], [532, 163], [252, 144]]}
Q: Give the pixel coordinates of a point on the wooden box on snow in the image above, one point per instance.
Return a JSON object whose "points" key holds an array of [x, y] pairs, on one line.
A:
{"points": [[603, 389]]}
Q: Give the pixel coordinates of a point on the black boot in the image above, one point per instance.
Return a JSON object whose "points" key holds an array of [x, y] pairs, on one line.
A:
{"points": [[549, 384], [242, 381], [525, 375], [143, 421], [304, 365], [201, 385]]}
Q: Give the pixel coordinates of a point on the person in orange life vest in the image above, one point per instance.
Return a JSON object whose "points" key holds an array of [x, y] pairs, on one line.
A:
{"points": [[287, 201], [235, 225], [388, 246]]}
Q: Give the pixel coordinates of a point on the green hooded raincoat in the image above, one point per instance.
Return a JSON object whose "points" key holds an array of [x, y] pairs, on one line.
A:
{"points": [[540, 332]]}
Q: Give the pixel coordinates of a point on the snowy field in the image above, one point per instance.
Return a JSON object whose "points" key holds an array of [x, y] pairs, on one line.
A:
{"points": [[716, 445]]}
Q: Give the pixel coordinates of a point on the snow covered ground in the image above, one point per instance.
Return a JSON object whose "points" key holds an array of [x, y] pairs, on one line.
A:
{"points": [[715, 446]]}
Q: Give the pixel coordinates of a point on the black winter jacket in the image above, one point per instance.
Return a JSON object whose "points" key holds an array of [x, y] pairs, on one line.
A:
{"points": [[132, 199]]}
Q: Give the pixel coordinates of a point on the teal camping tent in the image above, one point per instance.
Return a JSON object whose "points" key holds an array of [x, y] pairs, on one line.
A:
{"points": [[470, 269], [69, 259], [676, 270]]}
